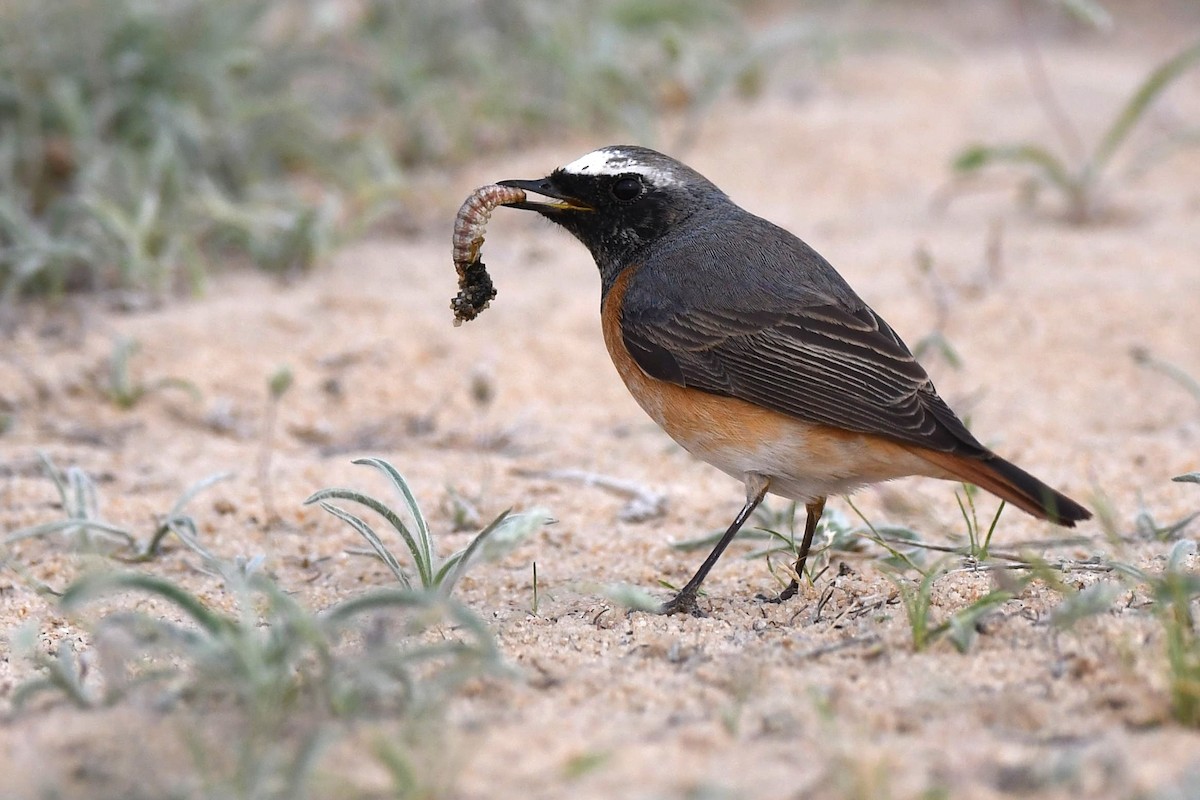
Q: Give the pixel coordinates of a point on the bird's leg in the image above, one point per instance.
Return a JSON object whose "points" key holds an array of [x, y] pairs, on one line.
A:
{"points": [[814, 509], [756, 489]]}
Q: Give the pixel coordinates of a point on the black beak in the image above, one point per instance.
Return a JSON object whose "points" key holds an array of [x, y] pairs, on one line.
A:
{"points": [[546, 188]]}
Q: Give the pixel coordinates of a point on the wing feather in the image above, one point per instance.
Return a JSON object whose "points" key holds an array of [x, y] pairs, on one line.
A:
{"points": [[823, 363]]}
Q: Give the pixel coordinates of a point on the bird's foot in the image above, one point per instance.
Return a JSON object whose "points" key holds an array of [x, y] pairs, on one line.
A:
{"points": [[784, 596], [682, 603]]}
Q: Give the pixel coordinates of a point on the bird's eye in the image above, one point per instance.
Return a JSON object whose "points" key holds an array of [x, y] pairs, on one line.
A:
{"points": [[627, 189]]}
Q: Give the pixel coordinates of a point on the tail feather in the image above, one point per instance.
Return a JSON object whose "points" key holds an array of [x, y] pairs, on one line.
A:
{"points": [[1012, 484]]}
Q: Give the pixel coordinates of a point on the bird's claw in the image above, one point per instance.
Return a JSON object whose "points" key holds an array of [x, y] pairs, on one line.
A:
{"points": [[682, 603], [782, 597]]}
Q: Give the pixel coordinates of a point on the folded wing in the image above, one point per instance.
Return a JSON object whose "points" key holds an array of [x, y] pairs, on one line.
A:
{"points": [[824, 363]]}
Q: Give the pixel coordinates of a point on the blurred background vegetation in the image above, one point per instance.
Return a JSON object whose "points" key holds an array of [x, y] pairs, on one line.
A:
{"points": [[141, 141]]}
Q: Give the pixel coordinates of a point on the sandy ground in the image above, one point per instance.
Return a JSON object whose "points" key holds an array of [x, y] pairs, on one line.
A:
{"points": [[751, 700]]}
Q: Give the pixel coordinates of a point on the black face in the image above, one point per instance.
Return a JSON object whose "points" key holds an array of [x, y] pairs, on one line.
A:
{"points": [[614, 215]]}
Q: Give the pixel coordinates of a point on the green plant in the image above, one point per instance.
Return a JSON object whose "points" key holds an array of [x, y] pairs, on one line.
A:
{"points": [[86, 530], [917, 601], [961, 626], [1147, 527], [1080, 181], [141, 142], [277, 385], [262, 693], [501, 534], [584, 763], [1143, 357], [128, 126], [1178, 592], [1175, 591], [462, 509], [124, 390], [634, 598], [903, 545], [978, 540], [1087, 602], [533, 607]]}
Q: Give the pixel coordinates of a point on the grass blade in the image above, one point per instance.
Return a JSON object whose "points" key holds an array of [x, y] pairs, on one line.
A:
{"points": [[368, 533], [454, 567], [1052, 168], [962, 626], [47, 528], [1089, 602], [873, 535], [377, 600], [987, 539], [1135, 108], [92, 586], [1177, 560], [196, 488], [414, 508], [419, 555]]}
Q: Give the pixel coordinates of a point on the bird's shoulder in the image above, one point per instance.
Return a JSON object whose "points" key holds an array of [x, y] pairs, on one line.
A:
{"points": [[733, 262]]}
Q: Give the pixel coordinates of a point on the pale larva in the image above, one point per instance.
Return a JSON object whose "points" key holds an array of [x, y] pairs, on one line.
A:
{"points": [[475, 289]]}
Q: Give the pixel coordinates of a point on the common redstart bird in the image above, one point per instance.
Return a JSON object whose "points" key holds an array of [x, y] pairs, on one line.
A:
{"points": [[754, 354]]}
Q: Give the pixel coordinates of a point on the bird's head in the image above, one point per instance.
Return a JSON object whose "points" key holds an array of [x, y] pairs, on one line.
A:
{"points": [[620, 199]]}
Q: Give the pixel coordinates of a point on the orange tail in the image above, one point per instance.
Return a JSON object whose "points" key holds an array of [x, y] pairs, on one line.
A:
{"points": [[1012, 484]]}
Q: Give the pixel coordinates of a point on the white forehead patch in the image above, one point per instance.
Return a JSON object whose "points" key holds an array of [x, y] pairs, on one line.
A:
{"points": [[614, 161]]}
